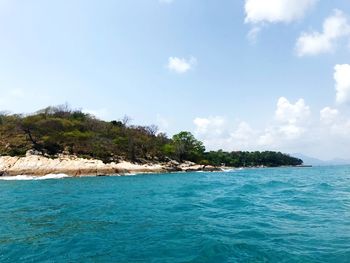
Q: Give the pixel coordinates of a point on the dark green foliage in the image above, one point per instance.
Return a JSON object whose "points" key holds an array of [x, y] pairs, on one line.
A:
{"points": [[250, 159], [187, 147], [59, 129]]}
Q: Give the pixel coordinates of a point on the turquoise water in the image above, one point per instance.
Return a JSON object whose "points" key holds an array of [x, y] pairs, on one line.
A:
{"points": [[258, 215]]}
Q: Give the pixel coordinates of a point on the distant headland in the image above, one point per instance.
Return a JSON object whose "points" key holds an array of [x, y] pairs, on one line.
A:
{"points": [[61, 140]]}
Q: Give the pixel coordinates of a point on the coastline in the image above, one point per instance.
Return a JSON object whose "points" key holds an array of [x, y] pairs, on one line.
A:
{"points": [[37, 165]]}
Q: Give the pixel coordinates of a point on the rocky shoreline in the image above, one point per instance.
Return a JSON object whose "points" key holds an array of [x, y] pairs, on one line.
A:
{"points": [[37, 165]]}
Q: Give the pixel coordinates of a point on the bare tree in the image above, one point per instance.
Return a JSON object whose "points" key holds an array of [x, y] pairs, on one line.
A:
{"points": [[126, 120], [152, 129]]}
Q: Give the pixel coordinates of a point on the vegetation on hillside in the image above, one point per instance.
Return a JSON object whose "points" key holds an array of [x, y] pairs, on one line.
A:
{"points": [[55, 130]]}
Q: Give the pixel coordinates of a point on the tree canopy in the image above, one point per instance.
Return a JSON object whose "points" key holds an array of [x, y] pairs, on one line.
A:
{"points": [[187, 147], [59, 129]]}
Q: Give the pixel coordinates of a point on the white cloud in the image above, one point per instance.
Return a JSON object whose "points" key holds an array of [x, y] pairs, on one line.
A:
{"points": [[328, 115], [202, 124], [290, 122], [181, 65], [214, 125], [274, 11], [292, 129], [334, 124], [242, 137], [213, 131], [267, 138], [334, 27], [289, 113], [243, 132], [217, 133], [342, 83]]}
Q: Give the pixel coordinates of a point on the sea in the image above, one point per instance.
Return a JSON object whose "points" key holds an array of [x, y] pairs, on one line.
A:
{"points": [[239, 215]]}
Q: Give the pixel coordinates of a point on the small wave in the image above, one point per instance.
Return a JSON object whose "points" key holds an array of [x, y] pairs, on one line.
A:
{"points": [[52, 176], [231, 170], [128, 174], [17, 178], [30, 177]]}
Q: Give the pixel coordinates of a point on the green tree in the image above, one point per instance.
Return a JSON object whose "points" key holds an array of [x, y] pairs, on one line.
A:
{"points": [[58, 129], [187, 147]]}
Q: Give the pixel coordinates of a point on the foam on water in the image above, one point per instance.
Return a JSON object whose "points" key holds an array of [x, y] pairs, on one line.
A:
{"points": [[232, 170], [229, 170], [30, 177], [53, 176]]}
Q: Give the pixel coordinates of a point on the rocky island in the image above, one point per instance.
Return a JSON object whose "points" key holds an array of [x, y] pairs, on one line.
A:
{"points": [[58, 140], [36, 165]]}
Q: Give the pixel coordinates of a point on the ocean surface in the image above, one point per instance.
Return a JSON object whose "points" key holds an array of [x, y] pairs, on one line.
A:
{"points": [[251, 215]]}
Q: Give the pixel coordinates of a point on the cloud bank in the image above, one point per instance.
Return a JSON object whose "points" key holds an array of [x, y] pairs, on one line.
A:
{"points": [[293, 127], [259, 13], [335, 27], [342, 83], [276, 11]]}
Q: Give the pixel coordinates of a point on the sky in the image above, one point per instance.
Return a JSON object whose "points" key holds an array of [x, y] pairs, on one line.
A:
{"points": [[239, 74]]}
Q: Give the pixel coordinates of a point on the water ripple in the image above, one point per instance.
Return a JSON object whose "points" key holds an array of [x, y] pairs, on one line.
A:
{"points": [[250, 215]]}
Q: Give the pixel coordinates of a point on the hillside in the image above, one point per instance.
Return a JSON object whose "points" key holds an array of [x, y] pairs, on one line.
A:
{"points": [[55, 130]]}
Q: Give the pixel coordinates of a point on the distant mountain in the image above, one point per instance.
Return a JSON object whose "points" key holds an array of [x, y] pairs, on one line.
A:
{"points": [[339, 161], [310, 160], [317, 162]]}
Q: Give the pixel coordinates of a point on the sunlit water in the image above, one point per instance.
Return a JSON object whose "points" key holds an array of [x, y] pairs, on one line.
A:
{"points": [[257, 215]]}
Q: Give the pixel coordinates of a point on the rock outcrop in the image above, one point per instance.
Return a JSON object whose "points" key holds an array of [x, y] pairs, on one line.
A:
{"points": [[38, 165]]}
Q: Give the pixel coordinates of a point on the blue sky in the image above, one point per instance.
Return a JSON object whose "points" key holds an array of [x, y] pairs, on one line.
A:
{"points": [[237, 74]]}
